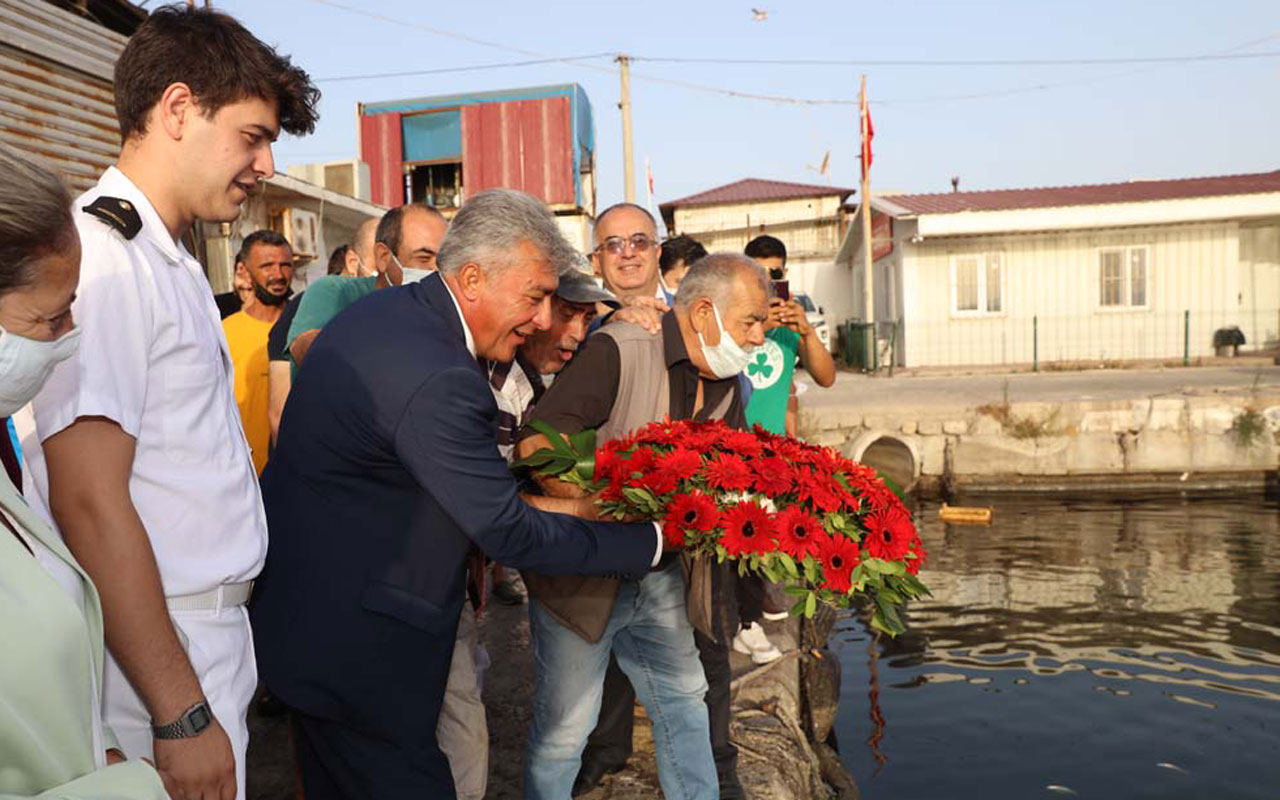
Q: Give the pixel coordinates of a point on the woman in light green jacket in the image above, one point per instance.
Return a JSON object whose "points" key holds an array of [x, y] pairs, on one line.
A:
{"points": [[52, 740]]}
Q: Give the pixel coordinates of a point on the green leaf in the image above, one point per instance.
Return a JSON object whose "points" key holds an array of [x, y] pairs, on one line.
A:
{"points": [[583, 442], [798, 608], [788, 564], [810, 606], [795, 591]]}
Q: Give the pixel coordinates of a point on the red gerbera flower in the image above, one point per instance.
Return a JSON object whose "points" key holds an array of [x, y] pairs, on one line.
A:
{"points": [[798, 533], [839, 557], [639, 461], [914, 564], [659, 481], [682, 463], [664, 432], [889, 533], [746, 529], [728, 472], [606, 464], [694, 511], [819, 490], [743, 443], [774, 476]]}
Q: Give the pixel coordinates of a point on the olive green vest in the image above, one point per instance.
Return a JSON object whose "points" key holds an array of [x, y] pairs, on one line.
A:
{"points": [[583, 604]]}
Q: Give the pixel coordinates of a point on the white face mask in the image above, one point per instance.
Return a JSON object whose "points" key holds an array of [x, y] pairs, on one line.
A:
{"points": [[25, 365], [727, 358], [409, 275]]}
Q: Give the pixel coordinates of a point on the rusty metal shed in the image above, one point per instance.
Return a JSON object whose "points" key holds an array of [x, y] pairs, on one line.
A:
{"points": [[56, 99]]}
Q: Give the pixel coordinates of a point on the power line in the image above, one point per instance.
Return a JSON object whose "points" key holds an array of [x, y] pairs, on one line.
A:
{"points": [[1228, 54], [994, 62], [471, 68]]}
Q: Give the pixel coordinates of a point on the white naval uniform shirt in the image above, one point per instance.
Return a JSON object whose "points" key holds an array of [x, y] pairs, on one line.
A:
{"points": [[153, 358]]}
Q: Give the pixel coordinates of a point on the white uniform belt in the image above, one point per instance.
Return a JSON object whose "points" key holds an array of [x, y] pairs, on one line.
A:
{"points": [[225, 596]]}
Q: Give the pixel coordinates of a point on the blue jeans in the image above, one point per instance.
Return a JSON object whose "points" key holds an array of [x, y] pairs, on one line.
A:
{"points": [[650, 634]]}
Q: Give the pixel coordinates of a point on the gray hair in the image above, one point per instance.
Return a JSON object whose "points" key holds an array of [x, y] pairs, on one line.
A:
{"points": [[35, 217], [712, 276], [490, 226]]}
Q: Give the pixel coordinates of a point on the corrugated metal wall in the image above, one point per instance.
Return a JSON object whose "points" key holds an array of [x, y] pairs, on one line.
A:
{"points": [[56, 99], [520, 144], [382, 148]]}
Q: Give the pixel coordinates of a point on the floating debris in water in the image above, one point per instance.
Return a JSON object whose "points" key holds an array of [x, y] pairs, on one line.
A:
{"points": [[1191, 701], [1174, 767], [1056, 789]]}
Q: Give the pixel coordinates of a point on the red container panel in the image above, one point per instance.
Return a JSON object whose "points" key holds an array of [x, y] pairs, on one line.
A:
{"points": [[520, 144], [381, 147]]}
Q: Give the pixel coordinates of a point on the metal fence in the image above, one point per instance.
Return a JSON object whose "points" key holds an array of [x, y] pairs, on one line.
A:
{"points": [[1044, 341]]}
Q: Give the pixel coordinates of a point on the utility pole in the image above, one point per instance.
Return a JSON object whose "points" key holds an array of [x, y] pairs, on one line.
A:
{"points": [[866, 213], [628, 163]]}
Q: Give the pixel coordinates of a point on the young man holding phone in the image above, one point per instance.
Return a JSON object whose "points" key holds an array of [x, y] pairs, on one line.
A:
{"points": [[789, 334]]}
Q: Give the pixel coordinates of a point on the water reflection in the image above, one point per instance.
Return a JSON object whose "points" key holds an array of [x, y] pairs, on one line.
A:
{"points": [[1085, 628]]}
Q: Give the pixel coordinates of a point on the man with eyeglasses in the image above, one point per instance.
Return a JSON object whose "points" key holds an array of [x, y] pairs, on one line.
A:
{"points": [[626, 255]]}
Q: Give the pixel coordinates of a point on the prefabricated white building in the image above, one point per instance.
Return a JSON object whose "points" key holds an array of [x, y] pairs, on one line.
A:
{"points": [[1138, 270]]}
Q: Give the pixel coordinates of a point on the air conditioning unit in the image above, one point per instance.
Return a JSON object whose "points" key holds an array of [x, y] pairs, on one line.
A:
{"points": [[302, 229], [349, 177]]}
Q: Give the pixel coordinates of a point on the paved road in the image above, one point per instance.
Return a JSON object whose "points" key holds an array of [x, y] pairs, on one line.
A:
{"points": [[853, 390]]}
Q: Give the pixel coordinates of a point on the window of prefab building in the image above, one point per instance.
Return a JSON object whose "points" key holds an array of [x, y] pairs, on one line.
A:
{"points": [[1122, 277], [976, 284]]}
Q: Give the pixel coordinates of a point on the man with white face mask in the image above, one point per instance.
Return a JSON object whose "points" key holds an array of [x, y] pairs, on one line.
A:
{"points": [[404, 251], [623, 379]]}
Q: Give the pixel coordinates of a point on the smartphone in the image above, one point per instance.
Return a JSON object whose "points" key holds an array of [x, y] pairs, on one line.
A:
{"points": [[782, 289]]}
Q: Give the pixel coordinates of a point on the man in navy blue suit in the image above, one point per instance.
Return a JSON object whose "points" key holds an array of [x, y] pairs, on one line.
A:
{"points": [[386, 470]]}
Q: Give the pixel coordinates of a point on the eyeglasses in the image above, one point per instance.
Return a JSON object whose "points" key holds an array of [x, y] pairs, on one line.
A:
{"points": [[616, 245]]}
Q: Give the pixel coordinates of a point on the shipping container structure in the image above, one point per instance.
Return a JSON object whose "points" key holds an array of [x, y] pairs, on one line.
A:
{"points": [[441, 150]]}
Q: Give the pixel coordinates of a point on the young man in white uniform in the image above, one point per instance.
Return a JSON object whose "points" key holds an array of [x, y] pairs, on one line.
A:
{"points": [[145, 466]]}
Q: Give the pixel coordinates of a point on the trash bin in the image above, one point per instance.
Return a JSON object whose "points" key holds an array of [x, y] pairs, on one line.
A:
{"points": [[857, 343]]}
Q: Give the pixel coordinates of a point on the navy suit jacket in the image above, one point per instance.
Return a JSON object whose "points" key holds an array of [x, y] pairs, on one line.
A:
{"points": [[386, 470]]}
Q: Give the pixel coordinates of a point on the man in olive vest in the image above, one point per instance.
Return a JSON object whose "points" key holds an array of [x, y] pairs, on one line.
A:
{"points": [[623, 379]]}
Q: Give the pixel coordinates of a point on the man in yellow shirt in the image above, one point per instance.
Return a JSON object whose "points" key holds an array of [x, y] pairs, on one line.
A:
{"points": [[267, 259]]}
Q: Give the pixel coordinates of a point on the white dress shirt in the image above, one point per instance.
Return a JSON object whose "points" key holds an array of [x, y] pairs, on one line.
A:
{"points": [[153, 358]]}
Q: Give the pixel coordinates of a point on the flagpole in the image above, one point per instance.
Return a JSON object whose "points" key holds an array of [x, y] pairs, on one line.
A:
{"points": [[869, 299]]}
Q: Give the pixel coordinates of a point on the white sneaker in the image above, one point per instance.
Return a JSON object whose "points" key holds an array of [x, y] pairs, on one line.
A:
{"points": [[751, 640]]}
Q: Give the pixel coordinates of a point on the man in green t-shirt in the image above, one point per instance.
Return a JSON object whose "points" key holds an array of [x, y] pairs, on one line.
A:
{"points": [[404, 250], [789, 335]]}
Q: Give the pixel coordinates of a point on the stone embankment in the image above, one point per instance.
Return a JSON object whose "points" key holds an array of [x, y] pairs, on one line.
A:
{"points": [[1194, 438]]}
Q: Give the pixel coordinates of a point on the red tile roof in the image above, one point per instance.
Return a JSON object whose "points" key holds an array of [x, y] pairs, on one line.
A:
{"points": [[753, 189], [1099, 194]]}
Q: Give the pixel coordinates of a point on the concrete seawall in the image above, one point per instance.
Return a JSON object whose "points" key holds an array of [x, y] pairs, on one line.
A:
{"points": [[1220, 438]]}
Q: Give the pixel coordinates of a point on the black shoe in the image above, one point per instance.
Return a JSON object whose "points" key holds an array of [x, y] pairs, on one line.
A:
{"points": [[505, 592], [590, 775]]}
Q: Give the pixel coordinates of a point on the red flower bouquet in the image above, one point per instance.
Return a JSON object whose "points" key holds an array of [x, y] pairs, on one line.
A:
{"points": [[790, 511]]}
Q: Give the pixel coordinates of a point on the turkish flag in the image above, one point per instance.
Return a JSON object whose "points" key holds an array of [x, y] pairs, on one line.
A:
{"points": [[868, 132]]}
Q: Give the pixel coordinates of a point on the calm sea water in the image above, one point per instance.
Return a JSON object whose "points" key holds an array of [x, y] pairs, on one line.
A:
{"points": [[1077, 649]]}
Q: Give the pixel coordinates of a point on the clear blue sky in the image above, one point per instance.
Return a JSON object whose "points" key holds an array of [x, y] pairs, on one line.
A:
{"points": [[1111, 123]]}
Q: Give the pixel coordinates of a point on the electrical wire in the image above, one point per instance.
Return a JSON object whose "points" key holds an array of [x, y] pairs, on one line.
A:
{"points": [[996, 62], [471, 68], [1147, 63]]}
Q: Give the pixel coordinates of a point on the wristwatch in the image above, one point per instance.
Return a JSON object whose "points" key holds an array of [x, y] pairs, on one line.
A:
{"points": [[192, 723]]}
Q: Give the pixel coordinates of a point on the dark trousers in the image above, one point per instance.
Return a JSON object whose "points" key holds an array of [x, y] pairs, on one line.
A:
{"points": [[610, 743], [338, 763]]}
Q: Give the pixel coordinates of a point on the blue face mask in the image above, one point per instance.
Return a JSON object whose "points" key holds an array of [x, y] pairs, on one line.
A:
{"points": [[727, 358], [25, 365], [408, 275]]}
